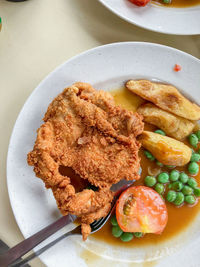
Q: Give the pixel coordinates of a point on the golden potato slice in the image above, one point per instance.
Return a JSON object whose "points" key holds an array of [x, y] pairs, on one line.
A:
{"points": [[166, 149], [166, 97], [173, 125]]}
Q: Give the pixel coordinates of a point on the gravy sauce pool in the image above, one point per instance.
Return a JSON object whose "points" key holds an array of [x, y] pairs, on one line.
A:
{"points": [[183, 215], [178, 3]]}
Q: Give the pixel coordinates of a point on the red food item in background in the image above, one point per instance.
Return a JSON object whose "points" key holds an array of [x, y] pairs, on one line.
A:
{"points": [[140, 2], [177, 67]]}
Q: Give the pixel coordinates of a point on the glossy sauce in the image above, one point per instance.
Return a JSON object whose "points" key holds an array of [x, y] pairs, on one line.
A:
{"points": [[178, 3], [183, 215]]}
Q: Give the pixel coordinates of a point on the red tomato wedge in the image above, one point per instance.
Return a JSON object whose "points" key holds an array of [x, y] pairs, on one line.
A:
{"points": [[139, 2], [141, 209]]}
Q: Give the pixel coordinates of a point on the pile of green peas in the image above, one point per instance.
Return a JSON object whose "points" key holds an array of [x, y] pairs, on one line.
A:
{"points": [[193, 167], [179, 187], [119, 233]]}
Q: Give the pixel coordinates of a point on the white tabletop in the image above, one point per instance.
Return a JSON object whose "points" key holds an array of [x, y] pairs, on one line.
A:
{"points": [[39, 35]]}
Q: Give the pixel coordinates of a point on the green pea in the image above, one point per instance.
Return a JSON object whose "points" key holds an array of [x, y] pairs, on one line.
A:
{"points": [[114, 221], [149, 155], [171, 196], [193, 168], [163, 177], [179, 199], [166, 1], [126, 237], [198, 134], [197, 192], [159, 188], [183, 177], [160, 132], [190, 199], [192, 183], [116, 231], [138, 234], [193, 140], [177, 186], [174, 175], [159, 163], [187, 190], [170, 186], [150, 181], [195, 157]]}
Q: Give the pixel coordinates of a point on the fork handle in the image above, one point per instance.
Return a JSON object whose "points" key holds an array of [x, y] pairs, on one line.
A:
{"points": [[22, 262], [26, 245]]}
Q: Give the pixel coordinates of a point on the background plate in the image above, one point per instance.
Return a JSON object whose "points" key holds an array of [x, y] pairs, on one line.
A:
{"points": [[183, 21], [106, 67]]}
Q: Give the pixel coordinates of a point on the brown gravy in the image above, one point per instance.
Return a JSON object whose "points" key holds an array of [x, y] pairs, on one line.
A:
{"points": [[183, 215]]}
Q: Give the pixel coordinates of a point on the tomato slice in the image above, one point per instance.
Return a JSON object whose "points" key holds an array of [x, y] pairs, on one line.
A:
{"points": [[141, 209]]}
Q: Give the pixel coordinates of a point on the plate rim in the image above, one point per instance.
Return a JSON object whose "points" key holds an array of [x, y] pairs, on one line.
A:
{"points": [[142, 26]]}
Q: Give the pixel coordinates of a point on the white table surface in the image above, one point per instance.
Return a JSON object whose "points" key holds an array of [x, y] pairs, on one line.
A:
{"points": [[39, 35]]}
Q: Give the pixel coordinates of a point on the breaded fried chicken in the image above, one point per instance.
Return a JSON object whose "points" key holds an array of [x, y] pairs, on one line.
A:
{"points": [[83, 129]]}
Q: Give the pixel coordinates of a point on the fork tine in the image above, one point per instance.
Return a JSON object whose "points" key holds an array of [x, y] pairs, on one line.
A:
{"points": [[98, 224]]}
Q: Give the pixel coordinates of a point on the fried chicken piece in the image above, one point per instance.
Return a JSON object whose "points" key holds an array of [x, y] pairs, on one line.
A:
{"points": [[166, 97], [86, 230], [83, 129]]}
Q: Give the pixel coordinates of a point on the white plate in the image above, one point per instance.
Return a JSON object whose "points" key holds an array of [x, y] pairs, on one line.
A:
{"points": [[105, 67], [183, 21]]}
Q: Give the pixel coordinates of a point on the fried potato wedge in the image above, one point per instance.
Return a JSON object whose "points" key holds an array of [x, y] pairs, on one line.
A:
{"points": [[173, 125], [166, 149], [166, 97]]}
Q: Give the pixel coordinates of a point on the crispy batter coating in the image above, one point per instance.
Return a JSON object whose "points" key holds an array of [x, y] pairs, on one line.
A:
{"points": [[166, 97], [174, 126], [167, 150], [83, 129], [86, 230]]}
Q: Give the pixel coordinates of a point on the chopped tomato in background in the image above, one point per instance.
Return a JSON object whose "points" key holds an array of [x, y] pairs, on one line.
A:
{"points": [[140, 2], [177, 67]]}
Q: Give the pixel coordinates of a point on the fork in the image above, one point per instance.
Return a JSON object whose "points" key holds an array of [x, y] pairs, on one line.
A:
{"points": [[12, 257]]}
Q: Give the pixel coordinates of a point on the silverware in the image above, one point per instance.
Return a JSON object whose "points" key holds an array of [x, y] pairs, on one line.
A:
{"points": [[95, 226], [13, 255], [26, 245], [4, 247]]}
